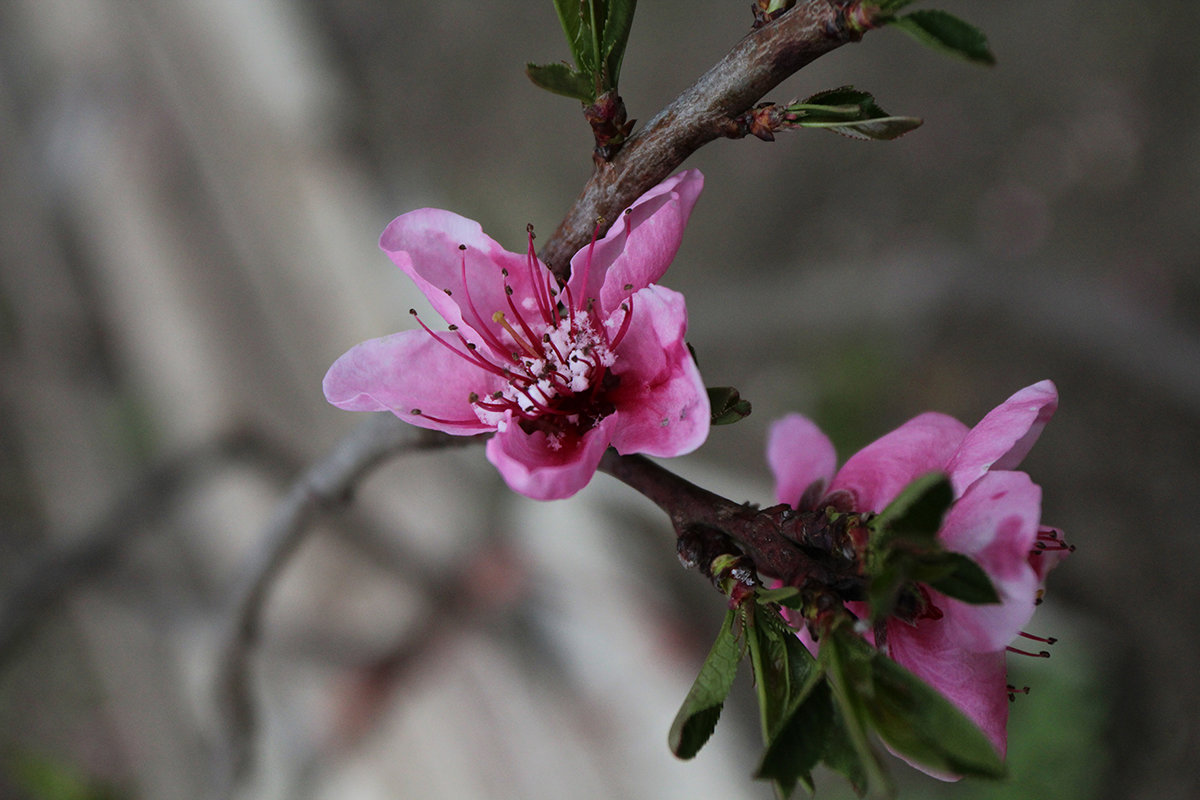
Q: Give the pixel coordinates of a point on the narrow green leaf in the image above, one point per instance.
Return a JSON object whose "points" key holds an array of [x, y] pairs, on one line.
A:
{"points": [[617, 24], [958, 577], [727, 405], [788, 596], [701, 709], [800, 742], [846, 659], [880, 129], [915, 516], [561, 79], [571, 17], [946, 32], [851, 112], [919, 723]]}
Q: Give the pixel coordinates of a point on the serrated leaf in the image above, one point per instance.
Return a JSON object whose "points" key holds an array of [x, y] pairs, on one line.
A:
{"points": [[799, 743], [957, 576], [617, 23], [727, 405], [880, 129], [788, 596], [846, 659], [786, 677], [919, 723], [946, 32], [697, 717], [915, 516], [575, 27], [561, 79], [851, 112]]}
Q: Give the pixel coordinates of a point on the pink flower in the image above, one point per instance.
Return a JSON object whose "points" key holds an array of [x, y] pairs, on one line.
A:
{"points": [[560, 373], [955, 647]]}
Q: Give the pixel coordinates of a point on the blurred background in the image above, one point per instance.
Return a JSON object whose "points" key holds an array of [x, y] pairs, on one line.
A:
{"points": [[190, 198]]}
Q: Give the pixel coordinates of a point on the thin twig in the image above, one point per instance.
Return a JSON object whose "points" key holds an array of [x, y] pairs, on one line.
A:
{"points": [[56, 572], [328, 483]]}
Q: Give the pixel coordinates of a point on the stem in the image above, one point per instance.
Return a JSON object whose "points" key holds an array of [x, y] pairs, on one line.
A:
{"points": [[702, 113], [771, 538]]}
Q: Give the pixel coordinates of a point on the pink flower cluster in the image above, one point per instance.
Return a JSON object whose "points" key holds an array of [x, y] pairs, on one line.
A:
{"points": [[559, 373], [955, 647]]}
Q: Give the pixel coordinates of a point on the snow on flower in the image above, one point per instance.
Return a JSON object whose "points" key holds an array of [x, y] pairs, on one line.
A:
{"points": [[956, 647], [558, 372]]}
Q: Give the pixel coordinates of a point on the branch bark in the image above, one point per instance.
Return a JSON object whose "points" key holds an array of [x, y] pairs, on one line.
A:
{"points": [[702, 113]]}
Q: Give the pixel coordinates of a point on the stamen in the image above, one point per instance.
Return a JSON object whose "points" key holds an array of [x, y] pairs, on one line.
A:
{"points": [[538, 282], [1045, 640], [1039, 654], [416, 412], [533, 338], [480, 325], [1014, 691], [627, 307], [587, 263], [499, 318]]}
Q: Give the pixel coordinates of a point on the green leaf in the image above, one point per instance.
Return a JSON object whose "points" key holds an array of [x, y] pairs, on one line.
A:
{"points": [[788, 596], [915, 516], [800, 741], [879, 129], [617, 24], [946, 32], [574, 25], [701, 709], [852, 113], [791, 692], [955, 575], [727, 405], [561, 79], [846, 659], [919, 723]]}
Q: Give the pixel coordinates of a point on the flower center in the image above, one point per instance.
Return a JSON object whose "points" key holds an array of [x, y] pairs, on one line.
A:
{"points": [[554, 356]]}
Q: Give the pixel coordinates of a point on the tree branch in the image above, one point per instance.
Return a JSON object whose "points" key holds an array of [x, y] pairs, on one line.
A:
{"points": [[806, 549], [328, 483], [702, 113]]}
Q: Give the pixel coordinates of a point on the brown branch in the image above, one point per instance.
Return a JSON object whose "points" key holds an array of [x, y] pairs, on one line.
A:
{"points": [[801, 548], [702, 113]]}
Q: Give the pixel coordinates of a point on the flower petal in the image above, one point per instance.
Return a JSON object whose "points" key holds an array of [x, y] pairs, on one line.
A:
{"points": [[995, 523], [1004, 436], [661, 400], [799, 455], [406, 371], [639, 246], [425, 244], [529, 464], [974, 682], [877, 473]]}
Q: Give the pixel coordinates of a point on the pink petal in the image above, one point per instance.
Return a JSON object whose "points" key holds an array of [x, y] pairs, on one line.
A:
{"points": [[799, 454], [425, 245], [661, 400], [1005, 435], [640, 244], [995, 523], [406, 371], [877, 473], [976, 683], [529, 464]]}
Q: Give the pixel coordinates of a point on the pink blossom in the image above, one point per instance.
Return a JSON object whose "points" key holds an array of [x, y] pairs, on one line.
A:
{"points": [[560, 373], [956, 647]]}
